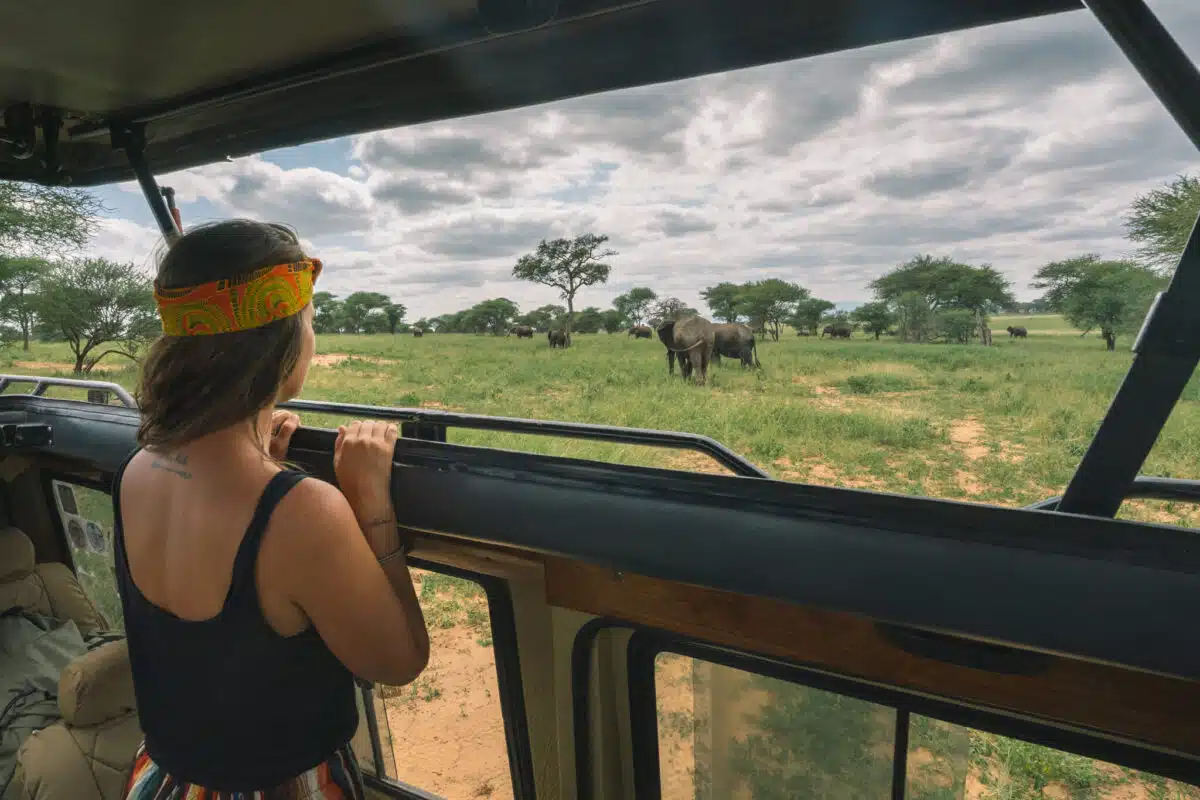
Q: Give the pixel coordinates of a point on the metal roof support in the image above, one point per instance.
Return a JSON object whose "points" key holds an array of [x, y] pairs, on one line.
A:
{"points": [[1168, 349], [132, 139]]}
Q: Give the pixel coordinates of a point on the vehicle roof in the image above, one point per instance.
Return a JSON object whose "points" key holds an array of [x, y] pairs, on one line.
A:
{"points": [[228, 78]]}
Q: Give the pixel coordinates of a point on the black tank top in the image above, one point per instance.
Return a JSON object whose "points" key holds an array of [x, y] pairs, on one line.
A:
{"points": [[227, 703]]}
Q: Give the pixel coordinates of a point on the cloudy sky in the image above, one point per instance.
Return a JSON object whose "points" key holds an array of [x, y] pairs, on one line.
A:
{"points": [[1015, 145]]}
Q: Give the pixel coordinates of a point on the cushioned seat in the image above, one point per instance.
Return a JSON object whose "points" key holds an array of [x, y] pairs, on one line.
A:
{"points": [[89, 752]]}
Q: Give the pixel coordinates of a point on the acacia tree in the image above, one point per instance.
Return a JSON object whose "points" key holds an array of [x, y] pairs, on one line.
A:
{"points": [[1113, 296], [19, 279], [874, 317], [567, 265], [945, 284], [395, 315], [634, 305], [769, 303], [40, 219], [723, 300], [1161, 220], [807, 315], [670, 308], [100, 308], [327, 313], [358, 306]]}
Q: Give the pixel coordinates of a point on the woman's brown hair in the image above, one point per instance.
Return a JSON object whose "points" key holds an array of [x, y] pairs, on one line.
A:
{"points": [[191, 386]]}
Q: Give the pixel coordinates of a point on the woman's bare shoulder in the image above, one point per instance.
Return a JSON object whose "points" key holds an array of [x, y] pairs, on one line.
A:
{"points": [[316, 509]]}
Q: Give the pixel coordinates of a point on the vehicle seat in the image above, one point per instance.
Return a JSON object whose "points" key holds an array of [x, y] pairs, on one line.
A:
{"points": [[89, 752]]}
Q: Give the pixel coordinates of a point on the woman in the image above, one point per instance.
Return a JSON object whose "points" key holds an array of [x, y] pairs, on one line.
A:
{"points": [[252, 594]]}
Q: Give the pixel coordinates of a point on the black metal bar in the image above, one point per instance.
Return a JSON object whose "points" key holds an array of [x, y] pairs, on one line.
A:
{"points": [[581, 681], [1155, 54], [1170, 347], [1167, 357], [368, 696], [132, 139], [573, 430], [1119, 591], [900, 755], [1144, 488]]}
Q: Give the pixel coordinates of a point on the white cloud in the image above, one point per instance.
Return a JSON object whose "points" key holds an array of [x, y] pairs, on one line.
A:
{"points": [[1015, 145]]}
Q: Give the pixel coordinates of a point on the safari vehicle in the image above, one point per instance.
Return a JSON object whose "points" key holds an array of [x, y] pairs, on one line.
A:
{"points": [[894, 620]]}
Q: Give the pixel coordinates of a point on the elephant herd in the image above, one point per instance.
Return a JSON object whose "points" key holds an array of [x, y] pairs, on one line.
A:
{"points": [[695, 341]]}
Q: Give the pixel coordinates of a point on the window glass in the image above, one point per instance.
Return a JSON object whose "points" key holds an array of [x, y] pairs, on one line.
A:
{"points": [[447, 728], [728, 733], [950, 762], [87, 520]]}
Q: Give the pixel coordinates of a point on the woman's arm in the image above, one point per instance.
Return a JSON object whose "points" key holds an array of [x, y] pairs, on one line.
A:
{"points": [[367, 614]]}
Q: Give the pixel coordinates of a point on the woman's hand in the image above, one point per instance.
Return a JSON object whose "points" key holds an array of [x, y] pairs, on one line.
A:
{"points": [[362, 462], [283, 425]]}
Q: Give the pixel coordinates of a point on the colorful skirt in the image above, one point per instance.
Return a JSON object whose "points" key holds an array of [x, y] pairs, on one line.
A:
{"points": [[338, 778]]}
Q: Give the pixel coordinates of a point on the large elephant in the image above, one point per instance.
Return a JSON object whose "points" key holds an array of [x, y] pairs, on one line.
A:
{"points": [[641, 331], [735, 340], [558, 338], [691, 339], [838, 330], [523, 331]]}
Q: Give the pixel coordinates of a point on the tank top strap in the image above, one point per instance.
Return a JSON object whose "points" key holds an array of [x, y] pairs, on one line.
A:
{"points": [[242, 587]]}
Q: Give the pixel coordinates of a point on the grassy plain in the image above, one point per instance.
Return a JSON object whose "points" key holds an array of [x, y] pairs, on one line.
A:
{"points": [[1005, 425]]}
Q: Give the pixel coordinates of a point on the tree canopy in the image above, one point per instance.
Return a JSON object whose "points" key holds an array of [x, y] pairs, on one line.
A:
{"points": [[808, 314], [1161, 220], [39, 219], [876, 318], [567, 265], [634, 305], [99, 307], [1091, 293], [723, 300], [945, 283]]}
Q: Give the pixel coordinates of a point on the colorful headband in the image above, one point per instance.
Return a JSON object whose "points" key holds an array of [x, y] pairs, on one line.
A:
{"points": [[238, 304]]}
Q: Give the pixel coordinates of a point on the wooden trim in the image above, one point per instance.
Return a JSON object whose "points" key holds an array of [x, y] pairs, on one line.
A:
{"points": [[1144, 707]]}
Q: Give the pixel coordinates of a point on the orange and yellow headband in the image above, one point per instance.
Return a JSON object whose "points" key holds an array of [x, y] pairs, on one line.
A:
{"points": [[238, 304]]}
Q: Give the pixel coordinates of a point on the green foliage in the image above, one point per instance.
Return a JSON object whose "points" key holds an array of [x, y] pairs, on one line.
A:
{"points": [[567, 265], [954, 325], [1160, 221], [99, 307], [590, 320], [945, 283], [723, 300], [20, 279], [873, 383], [544, 318], [807, 315], [395, 315], [40, 219], [359, 307], [612, 320], [1113, 296], [914, 317], [327, 313], [635, 304], [811, 743], [876, 318], [769, 303]]}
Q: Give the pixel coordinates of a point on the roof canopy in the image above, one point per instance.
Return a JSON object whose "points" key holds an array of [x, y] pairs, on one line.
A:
{"points": [[231, 77]]}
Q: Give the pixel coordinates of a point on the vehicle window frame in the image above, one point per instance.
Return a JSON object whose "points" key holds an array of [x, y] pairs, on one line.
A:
{"points": [[646, 644], [509, 684]]}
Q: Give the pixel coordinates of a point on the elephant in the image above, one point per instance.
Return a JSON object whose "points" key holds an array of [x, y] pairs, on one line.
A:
{"points": [[1018, 331], [691, 339], [558, 338], [838, 330], [523, 331], [417, 332], [735, 340], [641, 331]]}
